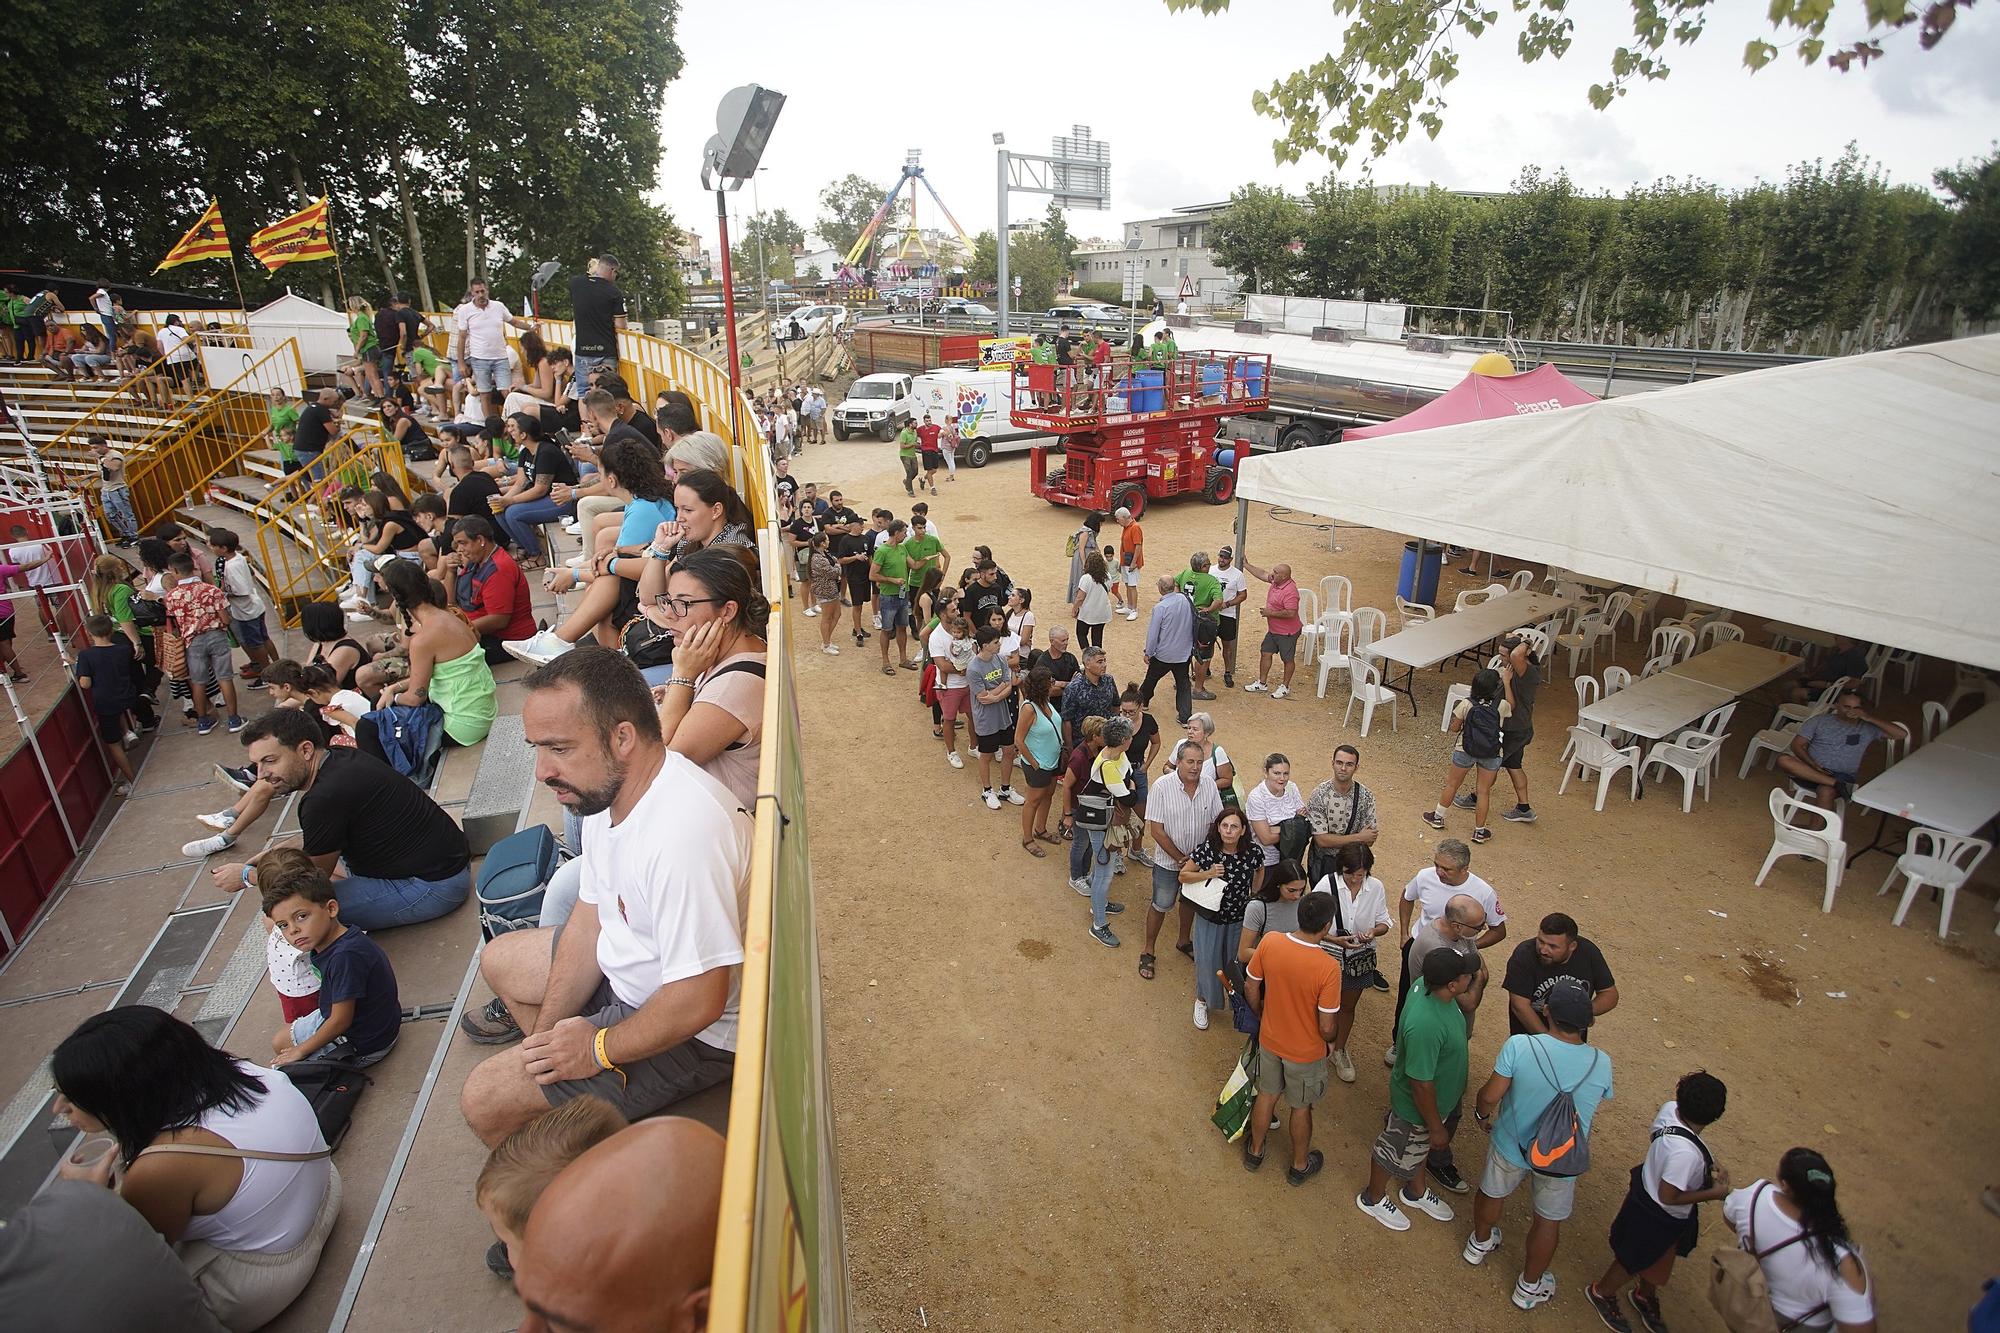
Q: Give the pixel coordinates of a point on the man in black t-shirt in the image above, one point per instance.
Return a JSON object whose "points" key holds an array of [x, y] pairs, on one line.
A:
{"points": [[1556, 951], [470, 489], [315, 429], [1057, 657], [404, 858], [530, 499], [598, 308]]}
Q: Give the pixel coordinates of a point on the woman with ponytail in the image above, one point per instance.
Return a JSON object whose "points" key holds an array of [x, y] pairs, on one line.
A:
{"points": [[1800, 1239], [712, 708]]}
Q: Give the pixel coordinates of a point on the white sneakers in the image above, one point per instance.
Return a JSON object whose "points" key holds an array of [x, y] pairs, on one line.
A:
{"points": [[1528, 1295], [220, 842], [1201, 1015], [829, 650], [1343, 1066], [812, 611], [1282, 692], [1475, 1253], [221, 819], [543, 648], [956, 760], [1256, 687], [992, 801], [1012, 797], [1082, 886], [1384, 1210], [1129, 613], [1427, 1203]]}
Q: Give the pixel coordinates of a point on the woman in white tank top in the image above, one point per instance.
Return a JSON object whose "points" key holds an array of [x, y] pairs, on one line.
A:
{"points": [[188, 1118]]}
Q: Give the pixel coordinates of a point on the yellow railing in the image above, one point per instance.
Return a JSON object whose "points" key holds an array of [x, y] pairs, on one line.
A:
{"points": [[72, 445], [301, 538], [177, 460]]}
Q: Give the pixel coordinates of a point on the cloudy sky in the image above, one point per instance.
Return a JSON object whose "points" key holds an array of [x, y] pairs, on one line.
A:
{"points": [[1171, 94]]}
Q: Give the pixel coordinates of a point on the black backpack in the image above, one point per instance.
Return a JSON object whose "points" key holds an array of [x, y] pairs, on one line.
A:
{"points": [[1481, 736], [333, 1087]]}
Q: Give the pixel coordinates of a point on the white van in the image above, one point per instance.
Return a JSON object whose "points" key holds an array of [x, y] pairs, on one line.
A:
{"points": [[973, 405]]}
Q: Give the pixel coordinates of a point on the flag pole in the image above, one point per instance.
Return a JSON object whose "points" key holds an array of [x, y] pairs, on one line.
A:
{"points": [[334, 241], [237, 279]]}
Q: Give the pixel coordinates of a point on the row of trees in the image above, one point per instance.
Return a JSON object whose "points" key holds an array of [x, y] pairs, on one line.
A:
{"points": [[1833, 259], [453, 140]]}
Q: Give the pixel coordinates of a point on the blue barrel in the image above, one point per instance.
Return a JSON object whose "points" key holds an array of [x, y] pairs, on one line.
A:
{"points": [[1249, 373], [1225, 458], [1213, 376], [1149, 390], [1420, 571]]}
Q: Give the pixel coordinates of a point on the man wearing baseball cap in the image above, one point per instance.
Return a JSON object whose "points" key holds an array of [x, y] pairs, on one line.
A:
{"points": [[1531, 1071], [1235, 588]]}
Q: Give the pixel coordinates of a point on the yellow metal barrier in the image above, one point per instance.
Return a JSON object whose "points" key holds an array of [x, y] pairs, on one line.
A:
{"points": [[72, 446], [302, 539], [181, 457]]}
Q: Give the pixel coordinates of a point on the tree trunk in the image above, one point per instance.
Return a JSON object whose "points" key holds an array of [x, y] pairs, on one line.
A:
{"points": [[471, 226], [382, 258], [410, 224]]}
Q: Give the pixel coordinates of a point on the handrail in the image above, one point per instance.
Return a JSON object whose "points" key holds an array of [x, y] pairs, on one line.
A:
{"points": [[77, 435], [293, 519], [211, 440]]}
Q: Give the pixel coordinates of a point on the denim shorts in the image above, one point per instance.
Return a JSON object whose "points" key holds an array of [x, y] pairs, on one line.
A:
{"points": [[1166, 889], [210, 657], [490, 375], [251, 633], [895, 613], [340, 1048], [1460, 759]]}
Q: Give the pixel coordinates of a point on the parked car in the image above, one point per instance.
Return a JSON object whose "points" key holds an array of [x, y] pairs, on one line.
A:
{"points": [[967, 309], [809, 318], [1092, 313]]}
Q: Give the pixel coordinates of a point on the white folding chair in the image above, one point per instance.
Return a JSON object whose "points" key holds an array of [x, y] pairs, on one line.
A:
{"points": [[1672, 641], [1365, 687], [1590, 752], [1714, 632], [1773, 741], [1338, 652], [1940, 860], [1615, 679], [1586, 695], [1691, 754], [1936, 719], [1822, 843]]}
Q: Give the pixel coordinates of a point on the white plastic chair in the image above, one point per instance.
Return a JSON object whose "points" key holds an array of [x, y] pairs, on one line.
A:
{"points": [[1871, 679], [1691, 754], [1412, 613], [1310, 630], [1899, 742], [1336, 593], [1470, 598], [1536, 638], [1714, 632], [1365, 687], [1968, 681], [1615, 679], [1586, 695], [1582, 641], [1909, 661], [1672, 641], [1715, 721], [1822, 843], [1940, 860], [1338, 653], [1800, 712], [1523, 578], [1936, 719], [1655, 665], [1461, 690], [1589, 752], [1370, 626]]}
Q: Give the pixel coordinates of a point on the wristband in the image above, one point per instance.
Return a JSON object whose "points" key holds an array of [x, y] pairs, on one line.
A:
{"points": [[603, 1061], [611, 565], [680, 680], [246, 876]]}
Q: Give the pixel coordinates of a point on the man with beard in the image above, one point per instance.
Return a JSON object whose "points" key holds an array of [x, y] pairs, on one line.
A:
{"points": [[395, 856], [633, 999]]}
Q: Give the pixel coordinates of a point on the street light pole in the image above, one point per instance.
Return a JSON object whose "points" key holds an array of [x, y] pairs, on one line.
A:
{"points": [[763, 274], [1000, 237]]}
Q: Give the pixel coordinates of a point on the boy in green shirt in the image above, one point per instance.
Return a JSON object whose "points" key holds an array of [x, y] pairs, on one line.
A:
{"points": [[1425, 1087], [906, 449], [889, 571], [1205, 591], [924, 553]]}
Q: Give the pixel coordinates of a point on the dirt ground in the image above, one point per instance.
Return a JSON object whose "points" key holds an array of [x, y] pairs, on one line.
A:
{"points": [[1023, 1122]]}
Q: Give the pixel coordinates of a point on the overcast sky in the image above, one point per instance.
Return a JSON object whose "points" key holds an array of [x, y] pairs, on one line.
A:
{"points": [[1170, 93]]}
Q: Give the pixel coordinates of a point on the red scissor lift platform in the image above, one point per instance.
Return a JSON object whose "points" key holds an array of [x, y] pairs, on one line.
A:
{"points": [[1137, 432]]}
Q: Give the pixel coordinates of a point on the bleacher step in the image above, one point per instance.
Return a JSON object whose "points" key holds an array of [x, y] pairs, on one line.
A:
{"points": [[502, 787]]}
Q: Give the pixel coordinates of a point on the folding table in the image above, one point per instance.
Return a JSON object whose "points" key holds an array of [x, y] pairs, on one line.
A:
{"points": [[1433, 641]]}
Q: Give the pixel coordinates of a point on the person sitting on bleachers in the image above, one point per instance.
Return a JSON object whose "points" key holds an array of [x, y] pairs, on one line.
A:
{"points": [[447, 664], [358, 1016], [526, 1161], [712, 708], [525, 503]]}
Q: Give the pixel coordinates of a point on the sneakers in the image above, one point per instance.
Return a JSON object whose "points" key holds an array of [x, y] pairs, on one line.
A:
{"points": [[1434, 819], [829, 650], [574, 527], [1300, 1175], [235, 723], [811, 611], [957, 760], [1256, 687], [542, 648], [1204, 695], [1527, 1295], [491, 1026], [121, 788], [1228, 680], [221, 819], [1475, 1252], [496, 1261], [1646, 1307], [1012, 797], [1113, 909], [131, 738], [1201, 1015], [1383, 1211], [1466, 800], [1282, 692], [986, 794], [1343, 1066], [1389, 1056], [1427, 1203], [1482, 834], [206, 725], [240, 778], [1103, 935], [209, 846], [359, 616], [1117, 863], [1448, 1177], [1520, 814], [1082, 886], [1607, 1310]]}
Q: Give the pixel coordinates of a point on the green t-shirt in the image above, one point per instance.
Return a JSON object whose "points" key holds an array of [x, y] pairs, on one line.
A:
{"points": [[425, 360], [1207, 589], [893, 559], [917, 549], [284, 420], [17, 309], [906, 441], [1430, 1046], [364, 328], [1043, 355], [1165, 351]]}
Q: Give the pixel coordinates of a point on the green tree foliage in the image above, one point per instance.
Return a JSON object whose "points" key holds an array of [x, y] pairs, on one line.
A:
{"points": [[1398, 56], [844, 209], [1056, 228], [1031, 256], [1252, 238], [779, 234], [523, 134], [1972, 236]]}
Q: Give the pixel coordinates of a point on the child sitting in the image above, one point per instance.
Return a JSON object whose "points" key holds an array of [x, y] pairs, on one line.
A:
{"points": [[526, 1161], [339, 709], [359, 1016], [111, 673]]}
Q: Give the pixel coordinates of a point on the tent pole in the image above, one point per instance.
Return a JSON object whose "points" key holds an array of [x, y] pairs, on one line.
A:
{"points": [[1242, 531]]}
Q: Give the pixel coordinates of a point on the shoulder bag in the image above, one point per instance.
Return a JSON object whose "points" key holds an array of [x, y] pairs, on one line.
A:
{"points": [[1737, 1287]]}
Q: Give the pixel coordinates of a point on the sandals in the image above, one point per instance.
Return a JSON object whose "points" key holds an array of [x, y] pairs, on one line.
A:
{"points": [[1033, 850], [1049, 838], [1146, 966], [1187, 949], [888, 671]]}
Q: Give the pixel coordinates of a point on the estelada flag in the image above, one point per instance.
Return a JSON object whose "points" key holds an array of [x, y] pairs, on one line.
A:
{"points": [[204, 240], [303, 235]]}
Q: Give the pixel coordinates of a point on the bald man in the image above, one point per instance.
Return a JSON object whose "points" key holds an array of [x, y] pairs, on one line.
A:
{"points": [[1282, 627], [623, 1239]]}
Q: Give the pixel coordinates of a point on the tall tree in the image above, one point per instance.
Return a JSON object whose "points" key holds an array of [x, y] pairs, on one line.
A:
{"points": [[1055, 228], [1398, 56], [844, 209], [1971, 250], [1030, 257], [1252, 238]]}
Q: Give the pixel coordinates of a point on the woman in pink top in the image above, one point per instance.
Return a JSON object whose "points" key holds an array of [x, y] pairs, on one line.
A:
{"points": [[1281, 627]]}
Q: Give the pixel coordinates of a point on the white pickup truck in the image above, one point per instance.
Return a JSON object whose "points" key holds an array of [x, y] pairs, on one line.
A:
{"points": [[875, 404]]}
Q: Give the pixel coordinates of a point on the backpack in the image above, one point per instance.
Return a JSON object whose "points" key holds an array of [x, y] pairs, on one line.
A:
{"points": [[333, 1087], [1560, 1145], [512, 877], [1480, 737], [1737, 1287], [407, 733]]}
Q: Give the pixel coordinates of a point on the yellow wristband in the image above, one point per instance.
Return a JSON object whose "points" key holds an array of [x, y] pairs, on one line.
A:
{"points": [[603, 1060]]}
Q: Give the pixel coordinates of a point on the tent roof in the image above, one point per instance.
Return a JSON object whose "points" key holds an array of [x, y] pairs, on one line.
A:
{"points": [[294, 310], [1485, 398], [1857, 495]]}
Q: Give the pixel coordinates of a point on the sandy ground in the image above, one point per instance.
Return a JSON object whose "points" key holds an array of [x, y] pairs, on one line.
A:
{"points": [[1022, 1120]]}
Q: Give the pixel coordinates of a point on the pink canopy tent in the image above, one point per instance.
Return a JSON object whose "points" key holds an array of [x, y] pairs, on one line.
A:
{"points": [[1483, 398]]}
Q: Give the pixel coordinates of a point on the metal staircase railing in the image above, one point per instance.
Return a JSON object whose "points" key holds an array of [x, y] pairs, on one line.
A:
{"points": [[180, 458], [303, 530]]}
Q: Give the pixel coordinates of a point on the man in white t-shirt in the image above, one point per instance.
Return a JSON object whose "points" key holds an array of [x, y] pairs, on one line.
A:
{"points": [[480, 339], [1235, 588], [634, 998], [950, 647], [1424, 899]]}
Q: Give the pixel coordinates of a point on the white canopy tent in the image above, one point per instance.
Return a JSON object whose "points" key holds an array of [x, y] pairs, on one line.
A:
{"points": [[1857, 495]]}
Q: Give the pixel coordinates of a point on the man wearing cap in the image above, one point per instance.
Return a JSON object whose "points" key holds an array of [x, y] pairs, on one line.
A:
{"points": [[1529, 1074], [1204, 593], [1235, 590], [599, 310]]}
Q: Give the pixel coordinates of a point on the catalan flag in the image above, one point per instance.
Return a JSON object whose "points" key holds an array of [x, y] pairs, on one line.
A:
{"points": [[303, 235], [204, 240]]}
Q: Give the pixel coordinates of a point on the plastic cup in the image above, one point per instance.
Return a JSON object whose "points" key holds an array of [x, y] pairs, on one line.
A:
{"points": [[92, 1149]]}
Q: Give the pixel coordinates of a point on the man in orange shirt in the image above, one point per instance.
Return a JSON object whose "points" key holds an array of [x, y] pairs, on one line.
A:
{"points": [[1294, 986], [1131, 559]]}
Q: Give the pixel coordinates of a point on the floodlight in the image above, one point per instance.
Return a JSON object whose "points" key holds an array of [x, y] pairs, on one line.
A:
{"points": [[743, 121]]}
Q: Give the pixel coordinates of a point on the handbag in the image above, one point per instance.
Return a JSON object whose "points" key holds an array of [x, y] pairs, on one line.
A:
{"points": [[147, 613], [1206, 893], [1356, 965], [646, 643], [1092, 811], [1737, 1287]]}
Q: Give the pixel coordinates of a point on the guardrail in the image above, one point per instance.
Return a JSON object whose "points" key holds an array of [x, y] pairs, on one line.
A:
{"points": [[182, 456], [301, 539]]}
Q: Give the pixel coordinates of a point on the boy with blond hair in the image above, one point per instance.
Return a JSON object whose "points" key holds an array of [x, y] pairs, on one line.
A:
{"points": [[521, 1167]]}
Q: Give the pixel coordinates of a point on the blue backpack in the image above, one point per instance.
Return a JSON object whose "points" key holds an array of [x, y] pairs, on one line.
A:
{"points": [[512, 878]]}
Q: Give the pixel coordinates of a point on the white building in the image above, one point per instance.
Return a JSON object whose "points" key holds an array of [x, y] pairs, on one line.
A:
{"points": [[1173, 255]]}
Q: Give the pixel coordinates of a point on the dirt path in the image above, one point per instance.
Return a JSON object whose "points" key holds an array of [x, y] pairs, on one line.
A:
{"points": [[1023, 1121]]}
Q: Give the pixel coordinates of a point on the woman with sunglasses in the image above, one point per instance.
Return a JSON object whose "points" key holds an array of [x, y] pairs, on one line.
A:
{"points": [[712, 707]]}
